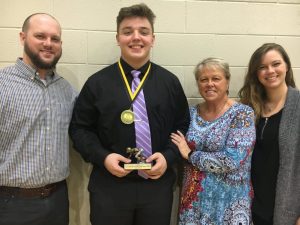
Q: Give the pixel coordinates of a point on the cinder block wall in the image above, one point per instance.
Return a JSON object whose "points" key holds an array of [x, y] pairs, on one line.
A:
{"points": [[186, 32]]}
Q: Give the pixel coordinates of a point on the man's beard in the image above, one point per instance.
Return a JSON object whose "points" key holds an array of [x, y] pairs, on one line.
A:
{"points": [[38, 62]]}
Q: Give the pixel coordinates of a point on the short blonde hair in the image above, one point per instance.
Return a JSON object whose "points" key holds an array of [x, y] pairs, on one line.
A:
{"points": [[213, 63]]}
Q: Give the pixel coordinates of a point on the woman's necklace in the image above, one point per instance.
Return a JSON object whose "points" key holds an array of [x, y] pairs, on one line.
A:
{"points": [[275, 101], [271, 108], [209, 116]]}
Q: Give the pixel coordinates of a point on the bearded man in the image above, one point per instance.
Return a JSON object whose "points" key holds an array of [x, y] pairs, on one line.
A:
{"points": [[35, 109]]}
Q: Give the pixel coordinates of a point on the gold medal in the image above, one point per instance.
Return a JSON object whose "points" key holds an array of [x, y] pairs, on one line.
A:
{"points": [[127, 116]]}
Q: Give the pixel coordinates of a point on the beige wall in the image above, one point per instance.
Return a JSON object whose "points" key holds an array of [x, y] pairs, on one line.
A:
{"points": [[186, 32]]}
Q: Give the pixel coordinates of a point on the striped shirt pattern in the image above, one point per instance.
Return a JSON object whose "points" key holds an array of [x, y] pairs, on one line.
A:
{"points": [[34, 121]]}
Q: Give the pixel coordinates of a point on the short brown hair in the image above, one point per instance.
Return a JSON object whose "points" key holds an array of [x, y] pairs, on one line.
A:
{"points": [[138, 10]]}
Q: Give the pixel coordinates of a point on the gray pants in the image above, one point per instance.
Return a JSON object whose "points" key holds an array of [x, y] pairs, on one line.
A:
{"points": [[51, 210]]}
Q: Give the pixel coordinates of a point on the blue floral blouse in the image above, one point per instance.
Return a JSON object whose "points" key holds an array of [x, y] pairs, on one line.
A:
{"points": [[216, 183]]}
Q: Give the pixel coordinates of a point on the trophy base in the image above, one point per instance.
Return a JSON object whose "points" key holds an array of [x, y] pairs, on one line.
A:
{"points": [[137, 166]]}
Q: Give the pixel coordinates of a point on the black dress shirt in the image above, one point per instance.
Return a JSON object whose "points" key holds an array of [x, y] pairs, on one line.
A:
{"points": [[96, 128]]}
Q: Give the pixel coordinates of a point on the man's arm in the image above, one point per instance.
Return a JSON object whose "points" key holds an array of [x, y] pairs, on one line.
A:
{"points": [[170, 154], [84, 134], [181, 123], [83, 128]]}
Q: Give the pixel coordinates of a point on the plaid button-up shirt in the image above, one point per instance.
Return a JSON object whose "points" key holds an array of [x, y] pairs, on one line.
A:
{"points": [[34, 121]]}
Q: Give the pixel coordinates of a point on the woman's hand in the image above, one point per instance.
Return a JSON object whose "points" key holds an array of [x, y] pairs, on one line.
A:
{"points": [[179, 140], [298, 221]]}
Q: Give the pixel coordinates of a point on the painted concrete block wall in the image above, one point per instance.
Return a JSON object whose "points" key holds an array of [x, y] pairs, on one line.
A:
{"points": [[186, 32]]}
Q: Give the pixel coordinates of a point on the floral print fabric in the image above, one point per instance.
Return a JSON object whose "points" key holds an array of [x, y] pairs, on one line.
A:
{"points": [[216, 183]]}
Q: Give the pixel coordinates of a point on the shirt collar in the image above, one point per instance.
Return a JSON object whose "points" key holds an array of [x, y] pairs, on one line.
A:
{"points": [[127, 68], [32, 73]]}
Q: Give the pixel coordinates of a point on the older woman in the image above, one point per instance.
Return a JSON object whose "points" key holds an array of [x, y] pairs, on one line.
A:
{"points": [[218, 147], [270, 89]]}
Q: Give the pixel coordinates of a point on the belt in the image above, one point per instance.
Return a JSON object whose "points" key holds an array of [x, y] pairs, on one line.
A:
{"points": [[42, 192]]}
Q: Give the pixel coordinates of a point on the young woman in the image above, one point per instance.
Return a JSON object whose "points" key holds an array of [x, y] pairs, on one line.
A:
{"points": [[269, 89]]}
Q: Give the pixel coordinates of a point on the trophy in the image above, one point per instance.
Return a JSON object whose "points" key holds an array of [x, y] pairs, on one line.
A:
{"points": [[138, 159]]}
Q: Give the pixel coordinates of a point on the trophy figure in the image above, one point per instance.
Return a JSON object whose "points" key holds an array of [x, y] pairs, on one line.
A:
{"points": [[139, 160]]}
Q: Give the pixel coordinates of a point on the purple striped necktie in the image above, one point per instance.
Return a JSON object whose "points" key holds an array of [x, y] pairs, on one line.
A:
{"points": [[141, 123]]}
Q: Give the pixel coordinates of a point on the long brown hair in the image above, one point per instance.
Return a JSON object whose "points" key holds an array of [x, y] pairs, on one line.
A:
{"points": [[253, 93]]}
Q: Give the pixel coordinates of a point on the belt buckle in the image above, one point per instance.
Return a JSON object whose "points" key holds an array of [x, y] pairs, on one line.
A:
{"points": [[46, 191]]}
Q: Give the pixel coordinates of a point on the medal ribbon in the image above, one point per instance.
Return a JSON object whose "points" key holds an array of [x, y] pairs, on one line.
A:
{"points": [[135, 93]]}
